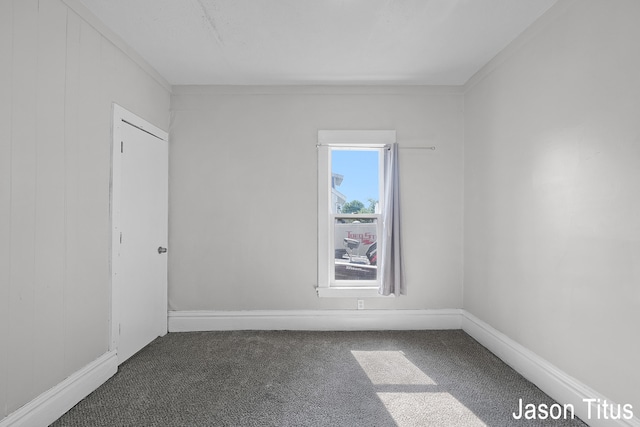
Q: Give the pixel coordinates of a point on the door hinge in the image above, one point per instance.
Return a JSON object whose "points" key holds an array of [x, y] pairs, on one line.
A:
{"points": [[122, 146], [121, 237]]}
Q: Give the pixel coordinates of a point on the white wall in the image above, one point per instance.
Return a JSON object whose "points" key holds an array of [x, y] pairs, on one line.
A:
{"points": [[243, 184], [552, 194], [58, 78]]}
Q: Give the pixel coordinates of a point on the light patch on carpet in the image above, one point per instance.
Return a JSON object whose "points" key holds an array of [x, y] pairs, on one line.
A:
{"points": [[420, 409], [390, 367]]}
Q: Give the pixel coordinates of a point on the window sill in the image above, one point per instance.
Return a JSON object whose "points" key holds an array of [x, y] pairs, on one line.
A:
{"points": [[350, 292]]}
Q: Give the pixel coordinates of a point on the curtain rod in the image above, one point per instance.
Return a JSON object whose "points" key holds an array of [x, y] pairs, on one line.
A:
{"points": [[374, 146], [433, 147]]}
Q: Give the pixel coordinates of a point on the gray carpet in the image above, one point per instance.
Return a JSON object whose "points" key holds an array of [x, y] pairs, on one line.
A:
{"points": [[290, 378]]}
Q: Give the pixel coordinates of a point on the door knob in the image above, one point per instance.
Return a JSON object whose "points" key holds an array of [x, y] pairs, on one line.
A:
{"points": [[161, 250]]}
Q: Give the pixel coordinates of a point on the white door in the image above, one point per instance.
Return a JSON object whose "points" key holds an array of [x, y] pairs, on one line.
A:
{"points": [[140, 229]]}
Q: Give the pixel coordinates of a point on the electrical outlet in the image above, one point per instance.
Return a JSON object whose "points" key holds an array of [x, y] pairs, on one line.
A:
{"points": [[360, 304]]}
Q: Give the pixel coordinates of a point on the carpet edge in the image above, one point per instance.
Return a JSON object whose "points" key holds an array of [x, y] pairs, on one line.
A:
{"points": [[553, 381], [55, 402]]}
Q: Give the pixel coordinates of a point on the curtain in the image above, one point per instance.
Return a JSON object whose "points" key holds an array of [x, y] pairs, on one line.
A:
{"points": [[391, 265]]}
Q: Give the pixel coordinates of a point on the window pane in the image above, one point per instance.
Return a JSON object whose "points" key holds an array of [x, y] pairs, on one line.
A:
{"points": [[354, 181], [355, 248]]}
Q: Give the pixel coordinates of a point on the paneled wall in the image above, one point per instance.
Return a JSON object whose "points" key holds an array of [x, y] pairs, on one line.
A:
{"points": [[58, 79]]}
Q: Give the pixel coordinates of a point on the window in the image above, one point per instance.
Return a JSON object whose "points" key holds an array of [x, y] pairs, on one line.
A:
{"points": [[350, 218]]}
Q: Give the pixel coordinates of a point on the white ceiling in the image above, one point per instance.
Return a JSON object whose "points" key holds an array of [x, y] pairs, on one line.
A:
{"points": [[434, 42]]}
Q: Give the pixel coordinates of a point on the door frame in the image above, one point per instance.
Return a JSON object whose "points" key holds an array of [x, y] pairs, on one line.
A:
{"points": [[120, 116]]}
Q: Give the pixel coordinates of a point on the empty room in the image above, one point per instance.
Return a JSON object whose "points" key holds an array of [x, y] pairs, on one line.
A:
{"points": [[319, 213]]}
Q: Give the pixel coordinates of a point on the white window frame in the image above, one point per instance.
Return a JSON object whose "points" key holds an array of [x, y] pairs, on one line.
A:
{"points": [[329, 140]]}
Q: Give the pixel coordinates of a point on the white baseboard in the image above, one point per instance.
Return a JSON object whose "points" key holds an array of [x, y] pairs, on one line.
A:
{"points": [[554, 382], [314, 320], [52, 404], [565, 389]]}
